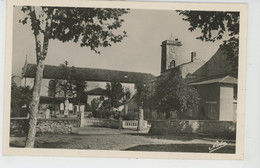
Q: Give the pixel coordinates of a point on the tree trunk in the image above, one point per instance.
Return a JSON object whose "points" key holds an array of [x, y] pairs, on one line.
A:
{"points": [[41, 53], [79, 104], [34, 106]]}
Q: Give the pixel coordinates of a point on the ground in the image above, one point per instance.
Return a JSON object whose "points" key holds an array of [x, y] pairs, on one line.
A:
{"points": [[96, 138]]}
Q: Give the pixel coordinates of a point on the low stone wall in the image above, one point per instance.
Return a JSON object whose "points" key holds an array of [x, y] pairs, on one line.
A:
{"points": [[57, 125], [44, 126], [98, 122], [204, 127], [107, 123]]}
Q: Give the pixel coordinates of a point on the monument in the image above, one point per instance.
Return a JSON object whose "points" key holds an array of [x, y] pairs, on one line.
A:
{"points": [[66, 110]]}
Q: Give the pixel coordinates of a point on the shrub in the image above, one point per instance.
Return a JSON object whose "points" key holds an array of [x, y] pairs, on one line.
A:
{"points": [[130, 116], [104, 113], [19, 127]]}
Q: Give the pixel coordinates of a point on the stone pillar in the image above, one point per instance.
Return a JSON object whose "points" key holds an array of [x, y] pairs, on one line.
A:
{"points": [[141, 113], [126, 109], [82, 108], [81, 118], [66, 110], [48, 114], [140, 119]]}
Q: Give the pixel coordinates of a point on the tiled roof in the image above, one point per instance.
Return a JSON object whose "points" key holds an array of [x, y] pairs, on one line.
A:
{"points": [[91, 74], [227, 79], [96, 91], [196, 63]]}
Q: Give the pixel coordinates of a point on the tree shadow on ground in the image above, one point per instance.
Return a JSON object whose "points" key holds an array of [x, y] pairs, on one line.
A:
{"points": [[55, 144], [168, 137], [197, 148], [17, 145], [187, 137], [39, 144]]}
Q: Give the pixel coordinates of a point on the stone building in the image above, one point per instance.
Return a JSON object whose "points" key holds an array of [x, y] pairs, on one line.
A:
{"points": [[96, 82], [217, 88], [212, 79]]}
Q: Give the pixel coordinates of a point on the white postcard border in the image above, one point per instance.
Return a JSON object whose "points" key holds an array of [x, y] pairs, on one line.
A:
{"points": [[242, 8]]}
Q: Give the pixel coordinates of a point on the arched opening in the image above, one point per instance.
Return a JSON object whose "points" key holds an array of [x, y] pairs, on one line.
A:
{"points": [[172, 64]]}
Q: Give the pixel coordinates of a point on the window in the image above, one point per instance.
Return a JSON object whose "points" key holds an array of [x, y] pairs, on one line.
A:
{"points": [[172, 64]]}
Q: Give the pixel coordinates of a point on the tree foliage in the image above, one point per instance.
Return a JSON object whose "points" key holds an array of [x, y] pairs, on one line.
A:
{"points": [[115, 94], [91, 27], [94, 104], [142, 96], [72, 85], [78, 87], [173, 94], [213, 25], [20, 97], [65, 85]]}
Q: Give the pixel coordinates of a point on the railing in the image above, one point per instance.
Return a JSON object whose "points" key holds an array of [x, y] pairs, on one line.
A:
{"points": [[132, 124]]}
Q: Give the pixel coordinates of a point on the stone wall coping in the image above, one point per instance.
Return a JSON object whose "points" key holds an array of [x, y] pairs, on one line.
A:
{"points": [[57, 119], [190, 121]]}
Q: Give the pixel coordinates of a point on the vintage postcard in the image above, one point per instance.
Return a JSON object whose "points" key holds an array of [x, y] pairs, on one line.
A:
{"points": [[125, 79]]}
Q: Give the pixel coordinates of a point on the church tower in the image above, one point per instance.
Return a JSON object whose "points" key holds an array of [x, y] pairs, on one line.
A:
{"points": [[171, 53]]}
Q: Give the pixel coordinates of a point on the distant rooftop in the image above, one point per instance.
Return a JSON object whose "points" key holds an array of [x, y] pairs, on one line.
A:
{"points": [[225, 79], [96, 91], [90, 74], [196, 63]]}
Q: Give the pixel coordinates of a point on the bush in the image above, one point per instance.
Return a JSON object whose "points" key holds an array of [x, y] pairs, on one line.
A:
{"points": [[130, 116], [103, 113], [19, 127], [53, 107], [19, 112]]}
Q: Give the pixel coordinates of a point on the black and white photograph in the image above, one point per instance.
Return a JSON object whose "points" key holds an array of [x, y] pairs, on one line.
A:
{"points": [[140, 79]]}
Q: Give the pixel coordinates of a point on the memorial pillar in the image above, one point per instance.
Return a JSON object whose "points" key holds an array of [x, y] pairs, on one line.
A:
{"points": [[66, 110], [81, 118], [140, 119], [48, 114]]}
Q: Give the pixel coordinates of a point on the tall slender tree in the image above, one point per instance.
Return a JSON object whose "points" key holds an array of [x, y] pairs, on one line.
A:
{"points": [[65, 84], [90, 27], [141, 98], [79, 85]]}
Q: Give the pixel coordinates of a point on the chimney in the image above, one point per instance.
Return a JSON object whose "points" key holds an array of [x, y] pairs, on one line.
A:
{"points": [[193, 56]]}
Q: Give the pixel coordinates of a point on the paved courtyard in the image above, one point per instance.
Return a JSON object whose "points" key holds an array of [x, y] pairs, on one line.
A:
{"points": [[96, 138]]}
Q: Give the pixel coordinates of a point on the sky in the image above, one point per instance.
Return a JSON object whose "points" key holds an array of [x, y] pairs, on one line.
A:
{"points": [[139, 52]]}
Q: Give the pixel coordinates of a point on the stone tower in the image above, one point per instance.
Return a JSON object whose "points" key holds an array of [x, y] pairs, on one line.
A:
{"points": [[171, 53]]}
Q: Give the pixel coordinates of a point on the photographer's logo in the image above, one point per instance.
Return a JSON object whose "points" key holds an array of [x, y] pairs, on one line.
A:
{"points": [[217, 146]]}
